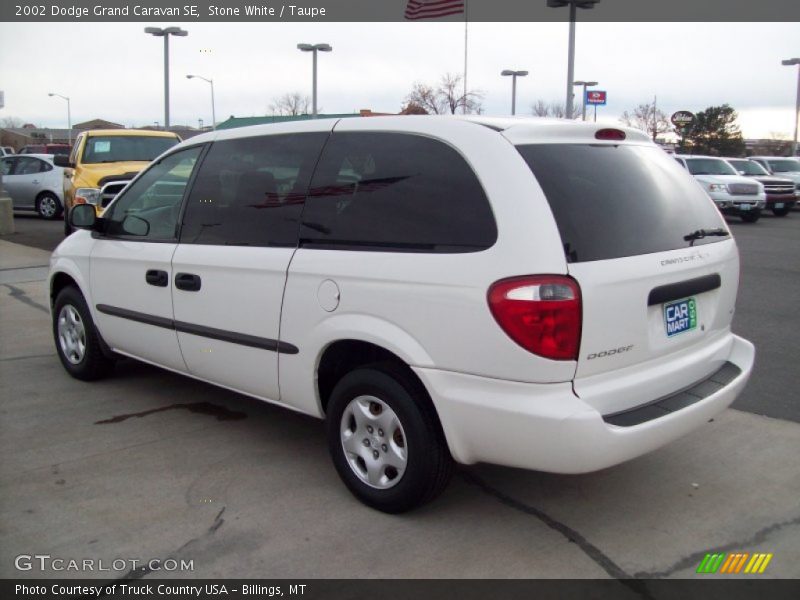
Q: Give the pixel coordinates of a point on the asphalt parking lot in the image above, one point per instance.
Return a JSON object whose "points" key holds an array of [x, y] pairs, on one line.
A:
{"points": [[150, 465]]}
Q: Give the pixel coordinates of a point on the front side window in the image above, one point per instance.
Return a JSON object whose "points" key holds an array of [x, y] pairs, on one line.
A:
{"points": [[118, 148], [149, 208], [250, 191], [397, 192], [6, 165]]}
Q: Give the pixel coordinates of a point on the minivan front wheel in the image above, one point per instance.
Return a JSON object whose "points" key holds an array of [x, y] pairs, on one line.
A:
{"points": [[385, 440], [77, 341]]}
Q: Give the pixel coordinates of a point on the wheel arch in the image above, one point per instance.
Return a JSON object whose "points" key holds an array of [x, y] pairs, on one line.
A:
{"points": [[342, 356]]}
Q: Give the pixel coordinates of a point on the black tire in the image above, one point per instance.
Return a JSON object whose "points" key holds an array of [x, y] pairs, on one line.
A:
{"points": [[92, 363], [781, 212], [429, 465], [751, 217], [48, 206]]}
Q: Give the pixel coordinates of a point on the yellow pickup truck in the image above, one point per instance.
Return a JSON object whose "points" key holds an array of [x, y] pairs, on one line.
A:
{"points": [[102, 161]]}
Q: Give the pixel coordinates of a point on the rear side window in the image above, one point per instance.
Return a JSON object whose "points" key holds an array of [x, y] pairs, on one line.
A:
{"points": [[397, 192], [614, 201], [250, 191]]}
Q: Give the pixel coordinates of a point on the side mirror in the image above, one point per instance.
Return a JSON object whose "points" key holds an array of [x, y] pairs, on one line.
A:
{"points": [[83, 216], [62, 160], [133, 225]]}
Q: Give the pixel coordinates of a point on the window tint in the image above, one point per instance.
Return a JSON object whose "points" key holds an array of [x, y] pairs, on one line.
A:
{"points": [[748, 167], [149, 208], [396, 191], [709, 166], [116, 148], [613, 201], [250, 191], [28, 166]]}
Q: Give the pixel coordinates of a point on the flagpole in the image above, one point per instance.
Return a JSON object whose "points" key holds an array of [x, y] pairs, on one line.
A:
{"points": [[466, 21]]}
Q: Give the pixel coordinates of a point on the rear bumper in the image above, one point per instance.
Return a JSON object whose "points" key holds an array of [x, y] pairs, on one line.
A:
{"points": [[547, 427]]}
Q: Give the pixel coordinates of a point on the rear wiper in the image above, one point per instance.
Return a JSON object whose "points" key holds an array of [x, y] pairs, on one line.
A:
{"points": [[701, 233]]}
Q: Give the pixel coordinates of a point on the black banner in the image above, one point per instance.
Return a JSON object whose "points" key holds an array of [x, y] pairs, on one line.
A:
{"points": [[393, 10], [464, 589]]}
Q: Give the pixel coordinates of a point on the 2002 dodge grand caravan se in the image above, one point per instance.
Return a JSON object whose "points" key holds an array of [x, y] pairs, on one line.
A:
{"points": [[547, 295]]}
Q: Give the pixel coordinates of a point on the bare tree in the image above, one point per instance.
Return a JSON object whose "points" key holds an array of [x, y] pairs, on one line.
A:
{"points": [[540, 108], [290, 104], [557, 110], [447, 97], [648, 118], [11, 122], [413, 109]]}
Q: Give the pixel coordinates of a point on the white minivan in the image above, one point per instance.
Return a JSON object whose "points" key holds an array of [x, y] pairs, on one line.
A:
{"points": [[539, 294]]}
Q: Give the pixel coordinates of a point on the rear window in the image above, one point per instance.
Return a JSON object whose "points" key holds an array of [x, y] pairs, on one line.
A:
{"points": [[614, 201], [110, 148]]}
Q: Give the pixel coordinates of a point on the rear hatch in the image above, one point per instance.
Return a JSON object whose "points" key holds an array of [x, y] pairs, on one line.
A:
{"points": [[652, 287]]}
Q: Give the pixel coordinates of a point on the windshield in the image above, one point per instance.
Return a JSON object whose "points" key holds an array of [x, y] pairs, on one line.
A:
{"points": [[784, 165], [748, 167], [613, 201], [709, 166], [103, 149]]}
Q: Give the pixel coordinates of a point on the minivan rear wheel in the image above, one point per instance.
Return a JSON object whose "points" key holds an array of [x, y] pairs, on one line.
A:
{"points": [[385, 440], [77, 341]]}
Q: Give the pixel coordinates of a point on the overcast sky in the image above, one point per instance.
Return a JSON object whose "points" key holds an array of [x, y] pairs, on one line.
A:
{"points": [[114, 71]]}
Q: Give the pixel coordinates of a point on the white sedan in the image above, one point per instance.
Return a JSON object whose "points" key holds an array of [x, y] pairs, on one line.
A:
{"points": [[34, 184]]}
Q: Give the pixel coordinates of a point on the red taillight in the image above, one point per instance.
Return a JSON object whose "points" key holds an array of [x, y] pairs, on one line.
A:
{"points": [[541, 313], [610, 134]]}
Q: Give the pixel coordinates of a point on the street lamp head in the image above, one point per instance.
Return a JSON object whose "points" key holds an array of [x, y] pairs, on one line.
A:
{"points": [[578, 3], [509, 73], [176, 31], [312, 47], [791, 61], [158, 32], [50, 94], [586, 83]]}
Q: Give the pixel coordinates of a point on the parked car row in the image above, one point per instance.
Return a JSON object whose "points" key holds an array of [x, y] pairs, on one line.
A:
{"points": [[745, 187]]}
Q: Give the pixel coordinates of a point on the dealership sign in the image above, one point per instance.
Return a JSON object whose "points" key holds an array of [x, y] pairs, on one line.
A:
{"points": [[682, 118], [596, 97]]}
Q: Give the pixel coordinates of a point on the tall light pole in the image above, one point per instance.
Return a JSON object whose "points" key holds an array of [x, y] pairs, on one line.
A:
{"points": [[788, 63], [585, 84], [165, 33], [574, 5], [69, 116], [314, 48], [513, 75], [213, 113]]}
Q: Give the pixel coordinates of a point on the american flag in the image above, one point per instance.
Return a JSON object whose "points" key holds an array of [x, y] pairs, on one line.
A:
{"points": [[433, 9]]}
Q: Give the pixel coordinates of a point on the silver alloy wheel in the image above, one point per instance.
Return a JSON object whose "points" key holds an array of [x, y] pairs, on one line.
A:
{"points": [[374, 442], [71, 334], [48, 206]]}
